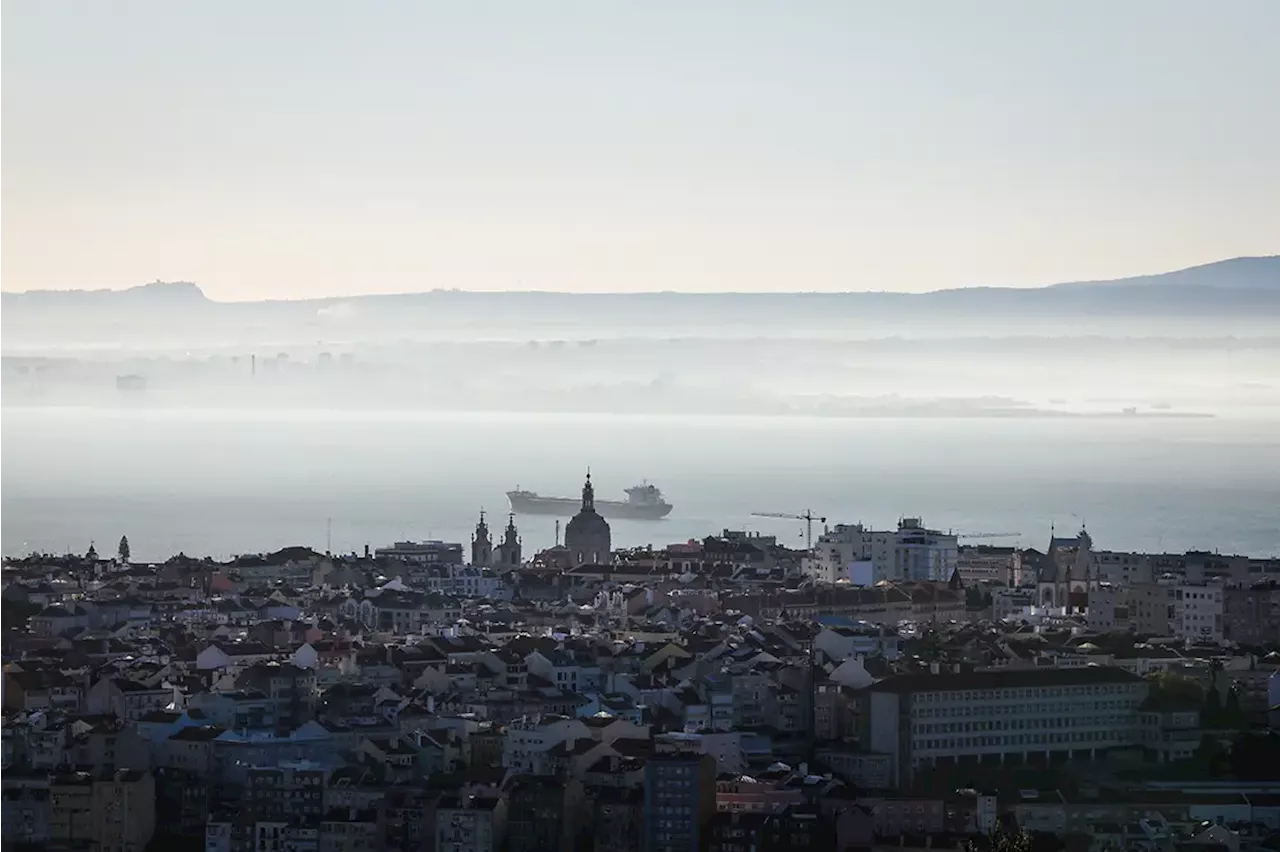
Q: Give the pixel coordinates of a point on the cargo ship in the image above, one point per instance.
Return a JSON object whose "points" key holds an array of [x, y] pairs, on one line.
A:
{"points": [[644, 503]]}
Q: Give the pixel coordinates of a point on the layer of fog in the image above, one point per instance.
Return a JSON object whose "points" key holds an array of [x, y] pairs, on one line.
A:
{"points": [[960, 376]]}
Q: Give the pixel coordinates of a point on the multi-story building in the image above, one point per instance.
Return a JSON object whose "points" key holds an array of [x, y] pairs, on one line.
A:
{"points": [[1150, 610], [293, 794], [1243, 571], [1109, 608], [799, 828], [71, 817], [183, 800], [26, 816], [617, 819], [1198, 612], [736, 831], [348, 830], [294, 565], [1014, 716], [680, 800], [985, 563], [1188, 611], [1251, 615], [127, 699], [911, 552], [1011, 603], [423, 552], [471, 824], [1122, 569], [844, 640], [761, 793], [291, 688], [530, 739], [543, 813], [124, 810]]}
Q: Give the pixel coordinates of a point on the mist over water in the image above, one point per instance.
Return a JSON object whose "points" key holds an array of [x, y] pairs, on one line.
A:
{"points": [[1148, 409], [220, 482]]}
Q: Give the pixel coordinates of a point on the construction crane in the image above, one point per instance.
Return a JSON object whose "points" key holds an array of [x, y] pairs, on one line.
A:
{"points": [[808, 518], [990, 535]]}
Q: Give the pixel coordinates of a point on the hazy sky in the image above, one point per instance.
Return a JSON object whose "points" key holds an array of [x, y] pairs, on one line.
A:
{"points": [[288, 149]]}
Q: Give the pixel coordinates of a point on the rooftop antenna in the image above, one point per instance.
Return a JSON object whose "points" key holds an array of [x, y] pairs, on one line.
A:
{"points": [[328, 536]]}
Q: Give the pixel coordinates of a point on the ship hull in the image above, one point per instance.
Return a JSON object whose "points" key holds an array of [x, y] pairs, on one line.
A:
{"points": [[567, 507]]}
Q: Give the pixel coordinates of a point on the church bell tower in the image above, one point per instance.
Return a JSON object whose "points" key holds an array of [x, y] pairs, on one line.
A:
{"points": [[481, 544]]}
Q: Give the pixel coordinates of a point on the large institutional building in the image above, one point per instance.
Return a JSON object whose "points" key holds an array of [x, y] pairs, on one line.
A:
{"points": [[1016, 717]]}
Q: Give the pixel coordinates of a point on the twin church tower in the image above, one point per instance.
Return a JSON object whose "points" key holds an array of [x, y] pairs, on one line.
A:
{"points": [[507, 554], [587, 539]]}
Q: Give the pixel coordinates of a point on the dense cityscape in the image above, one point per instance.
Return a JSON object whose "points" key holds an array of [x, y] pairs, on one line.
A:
{"points": [[602, 427], [879, 688]]}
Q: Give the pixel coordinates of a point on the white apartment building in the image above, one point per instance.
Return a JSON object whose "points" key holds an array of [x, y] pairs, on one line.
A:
{"points": [[1188, 611], [1013, 716], [911, 552], [1197, 613], [530, 739]]}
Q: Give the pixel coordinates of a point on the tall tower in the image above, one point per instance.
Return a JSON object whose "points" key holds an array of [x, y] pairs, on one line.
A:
{"points": [[481, 544], [509, 552]]}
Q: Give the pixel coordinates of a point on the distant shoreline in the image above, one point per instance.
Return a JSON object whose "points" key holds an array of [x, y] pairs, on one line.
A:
{"points": [[905, 413]]}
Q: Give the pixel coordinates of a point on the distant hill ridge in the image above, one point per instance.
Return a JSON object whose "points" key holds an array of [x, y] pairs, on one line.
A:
{"points": [[1237, 273], [168, 292], [1240, 273]]}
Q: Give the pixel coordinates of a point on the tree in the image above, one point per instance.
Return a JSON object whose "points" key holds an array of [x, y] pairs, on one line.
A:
{"points": [[1232, 714], [17, 612], [1211, 755], [1003, 838], [1211, 713], [123, 550], [1181, 687]]}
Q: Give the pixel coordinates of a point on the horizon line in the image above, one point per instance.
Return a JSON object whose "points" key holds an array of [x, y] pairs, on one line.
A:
{"points": [[545, 292]]}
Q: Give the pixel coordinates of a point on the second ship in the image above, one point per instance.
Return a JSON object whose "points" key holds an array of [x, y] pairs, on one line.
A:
{"points": [[644, 503]]}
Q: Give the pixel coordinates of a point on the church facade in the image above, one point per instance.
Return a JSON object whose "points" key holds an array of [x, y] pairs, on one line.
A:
{"points": [[1067, 572], [507, 554]]}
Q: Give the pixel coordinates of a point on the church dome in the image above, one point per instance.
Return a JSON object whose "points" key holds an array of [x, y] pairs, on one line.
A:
{"points": [[586, 522], [587, 536]]}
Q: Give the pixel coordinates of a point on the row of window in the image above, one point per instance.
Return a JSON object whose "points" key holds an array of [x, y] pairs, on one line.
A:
{"points": [[1006, 693], [1024, 724], [955, 711], [959, 743]]}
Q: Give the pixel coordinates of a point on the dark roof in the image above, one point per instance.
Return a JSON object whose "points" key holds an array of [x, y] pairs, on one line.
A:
{"points": [[1004, 679], [198, 734]]}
